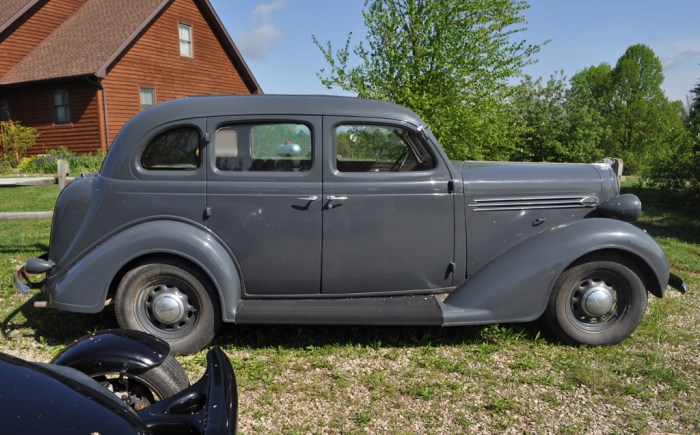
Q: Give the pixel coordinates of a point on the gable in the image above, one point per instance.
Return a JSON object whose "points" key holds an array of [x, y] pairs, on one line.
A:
{"points": [[84, 42]]}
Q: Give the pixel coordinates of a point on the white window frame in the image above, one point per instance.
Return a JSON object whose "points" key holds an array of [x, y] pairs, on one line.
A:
{"points": [[186, 45], [152, 91]]}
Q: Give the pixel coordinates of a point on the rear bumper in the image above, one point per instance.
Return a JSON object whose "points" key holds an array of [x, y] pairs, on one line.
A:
{"points": [[677, 282], [22, 283]]}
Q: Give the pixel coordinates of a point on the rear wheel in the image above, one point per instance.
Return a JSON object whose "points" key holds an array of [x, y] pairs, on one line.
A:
{"points": [[168, 299], [598, 302]]}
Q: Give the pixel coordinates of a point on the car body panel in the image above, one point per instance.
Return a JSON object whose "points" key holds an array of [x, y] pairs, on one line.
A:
{"points": [[481, 241], [520, 295]]}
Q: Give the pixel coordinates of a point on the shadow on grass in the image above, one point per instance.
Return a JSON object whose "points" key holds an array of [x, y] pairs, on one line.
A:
{"points": [[315, 336], [55, 327], [670, 214]]}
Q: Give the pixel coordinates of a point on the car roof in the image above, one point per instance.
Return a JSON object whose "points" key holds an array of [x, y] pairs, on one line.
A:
{"points": [[308, 105], [127, 141]]}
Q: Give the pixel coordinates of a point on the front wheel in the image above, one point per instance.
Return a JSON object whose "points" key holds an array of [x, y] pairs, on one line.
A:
{"points": [[598, 302], [168, 299], [139, 391]]}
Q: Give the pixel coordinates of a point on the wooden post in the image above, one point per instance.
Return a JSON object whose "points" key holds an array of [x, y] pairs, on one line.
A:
{"points": [[63, 172]]}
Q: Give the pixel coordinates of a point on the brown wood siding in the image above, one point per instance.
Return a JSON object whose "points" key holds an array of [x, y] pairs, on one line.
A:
{"points": [[33, 107], [25, 34], [154, 61]]}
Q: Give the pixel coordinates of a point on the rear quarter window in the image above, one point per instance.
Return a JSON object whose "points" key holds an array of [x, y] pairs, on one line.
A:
{"points": [[176, 149]]}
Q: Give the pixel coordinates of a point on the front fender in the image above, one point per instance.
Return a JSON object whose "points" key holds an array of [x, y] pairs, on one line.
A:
{"points": [[515, 286], [117, 350], [84, 286]]}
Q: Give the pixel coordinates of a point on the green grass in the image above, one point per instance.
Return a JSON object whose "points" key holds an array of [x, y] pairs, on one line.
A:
{"points": [[425, 379]]}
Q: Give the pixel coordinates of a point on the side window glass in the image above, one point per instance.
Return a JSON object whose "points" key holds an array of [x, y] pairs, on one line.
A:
{"points": [[378, 148], [269, 147], [176, 149]]}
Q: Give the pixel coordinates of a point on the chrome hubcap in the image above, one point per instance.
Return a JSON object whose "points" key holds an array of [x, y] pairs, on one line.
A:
{"points": [[597, 301], [168, 306], [593, 301]]}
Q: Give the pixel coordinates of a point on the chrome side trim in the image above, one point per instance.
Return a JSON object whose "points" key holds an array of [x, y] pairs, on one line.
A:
{"points": [[534, 203]]}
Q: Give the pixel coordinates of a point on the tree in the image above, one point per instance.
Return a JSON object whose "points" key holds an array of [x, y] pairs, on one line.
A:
{"points": [[447, 60], [560, 124], [641, 115]]}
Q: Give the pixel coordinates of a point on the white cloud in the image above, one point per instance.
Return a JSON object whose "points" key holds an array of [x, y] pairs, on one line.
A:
{"points": [[681, 58], [258, 42], [263, 10]]}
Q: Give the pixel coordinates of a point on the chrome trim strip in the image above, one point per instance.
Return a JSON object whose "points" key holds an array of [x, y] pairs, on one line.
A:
{"points": [[534, 203]]}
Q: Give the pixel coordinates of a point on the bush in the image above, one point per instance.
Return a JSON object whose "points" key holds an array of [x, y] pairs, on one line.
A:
{"points": [[48, 163], [680, 170], [16, 140]]}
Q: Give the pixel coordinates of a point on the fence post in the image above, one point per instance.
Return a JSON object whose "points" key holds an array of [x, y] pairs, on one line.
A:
{"points": [[63, 172]]}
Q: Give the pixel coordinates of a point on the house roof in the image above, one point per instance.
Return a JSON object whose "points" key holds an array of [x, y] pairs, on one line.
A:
{"points": [[97, 34], [11, 10]]}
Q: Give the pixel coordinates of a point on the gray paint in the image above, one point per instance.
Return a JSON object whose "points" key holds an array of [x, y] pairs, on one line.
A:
{"points": [[514, 287], [485, 240]]}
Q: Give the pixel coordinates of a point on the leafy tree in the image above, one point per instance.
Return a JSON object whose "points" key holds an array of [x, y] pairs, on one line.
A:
{"points": [[680, 168], [447, 60], [560, 124], [641, 115]]}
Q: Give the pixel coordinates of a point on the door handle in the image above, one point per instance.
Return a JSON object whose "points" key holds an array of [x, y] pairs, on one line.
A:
{"points": [[336, 198], [309, 198]]}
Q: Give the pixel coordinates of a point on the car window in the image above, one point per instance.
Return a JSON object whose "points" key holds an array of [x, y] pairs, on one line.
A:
{"points": [[378, 148], [279, 147], [176, 149]]}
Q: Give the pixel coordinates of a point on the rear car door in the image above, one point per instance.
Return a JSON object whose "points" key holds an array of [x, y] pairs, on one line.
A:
{"points": [[388, 219], [264, 199]]}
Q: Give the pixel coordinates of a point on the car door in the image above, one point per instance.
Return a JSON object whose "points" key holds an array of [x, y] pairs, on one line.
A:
{"points": [[264, 200], [388, 210]]}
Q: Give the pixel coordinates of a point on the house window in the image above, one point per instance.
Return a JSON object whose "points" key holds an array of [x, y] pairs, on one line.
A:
{"points": [[4, 109], [61, 109], [185, 40], [148, 97]]}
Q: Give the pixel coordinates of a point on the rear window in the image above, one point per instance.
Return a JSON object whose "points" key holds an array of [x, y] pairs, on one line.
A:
{"points": [[176, 149]]}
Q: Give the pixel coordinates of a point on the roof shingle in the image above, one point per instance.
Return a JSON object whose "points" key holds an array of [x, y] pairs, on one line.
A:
{"points": [[84, 43]]}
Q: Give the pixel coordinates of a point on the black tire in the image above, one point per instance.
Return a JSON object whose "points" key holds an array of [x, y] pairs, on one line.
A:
{"points": [[144, 389], [600, 301], [168, 298]]}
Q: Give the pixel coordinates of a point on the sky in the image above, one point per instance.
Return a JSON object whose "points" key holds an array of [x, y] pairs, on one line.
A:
{"points": [[275, 37]]}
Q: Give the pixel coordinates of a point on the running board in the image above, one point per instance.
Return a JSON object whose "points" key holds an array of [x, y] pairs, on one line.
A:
{"points": [[397, 310]]}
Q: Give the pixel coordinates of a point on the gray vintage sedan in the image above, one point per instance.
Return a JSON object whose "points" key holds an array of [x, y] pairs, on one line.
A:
{"points": [[337, 210]]}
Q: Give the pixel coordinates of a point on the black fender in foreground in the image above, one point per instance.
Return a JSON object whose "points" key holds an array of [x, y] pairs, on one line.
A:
{"points": [[210, 406], [115, 350]]}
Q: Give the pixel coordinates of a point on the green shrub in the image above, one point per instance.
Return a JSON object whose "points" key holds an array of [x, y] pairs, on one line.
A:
{"points": [[16, 140], [48, 163]]}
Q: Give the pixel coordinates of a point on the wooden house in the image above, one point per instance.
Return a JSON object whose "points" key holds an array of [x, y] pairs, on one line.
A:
{"points": [[77, 70]]}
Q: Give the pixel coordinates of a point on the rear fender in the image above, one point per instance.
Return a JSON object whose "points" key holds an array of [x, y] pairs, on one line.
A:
{"points": [[84, 286], [116, 350], [515, 286]]}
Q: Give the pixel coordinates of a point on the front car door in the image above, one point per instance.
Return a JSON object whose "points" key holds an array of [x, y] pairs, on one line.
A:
{"points": [[264, 200], [388, 211]]}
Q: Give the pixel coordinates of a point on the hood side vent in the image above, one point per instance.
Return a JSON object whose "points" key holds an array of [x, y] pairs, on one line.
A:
{"points": [[533, 203]]}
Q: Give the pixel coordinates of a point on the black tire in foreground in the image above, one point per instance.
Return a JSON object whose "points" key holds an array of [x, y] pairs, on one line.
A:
{"points": [[144, 389], [600, 301], [168, 298]]}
